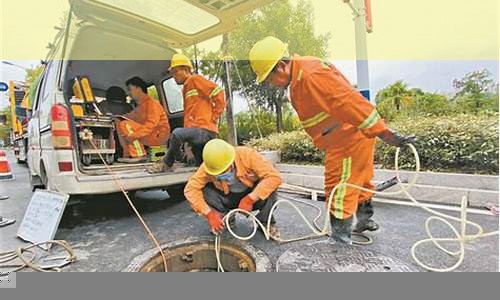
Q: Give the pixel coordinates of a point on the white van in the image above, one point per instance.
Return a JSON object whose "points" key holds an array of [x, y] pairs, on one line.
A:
{"points": [[108, 42]]}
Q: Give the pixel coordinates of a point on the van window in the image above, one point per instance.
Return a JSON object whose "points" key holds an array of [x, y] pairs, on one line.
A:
{"points": [[47, 92], [173, 93], [49, 81]]}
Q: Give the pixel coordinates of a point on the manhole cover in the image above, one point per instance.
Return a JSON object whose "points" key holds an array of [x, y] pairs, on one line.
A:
{"points": [[198, 255], [322, 257]]}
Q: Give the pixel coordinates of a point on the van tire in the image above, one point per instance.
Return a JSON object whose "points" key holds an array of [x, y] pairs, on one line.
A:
{"points": [[43, 177], [36, 183], [176, 192]]}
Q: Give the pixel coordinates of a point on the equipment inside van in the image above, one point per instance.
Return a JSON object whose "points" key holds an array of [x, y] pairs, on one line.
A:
{"points": [[104, 43], [90, 121]]}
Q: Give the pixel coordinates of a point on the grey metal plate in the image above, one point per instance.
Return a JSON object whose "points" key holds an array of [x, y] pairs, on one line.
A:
{"points": [[323, 257]]}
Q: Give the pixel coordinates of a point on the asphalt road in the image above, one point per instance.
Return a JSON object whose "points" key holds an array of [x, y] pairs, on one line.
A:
{"points": [[107, 236]]}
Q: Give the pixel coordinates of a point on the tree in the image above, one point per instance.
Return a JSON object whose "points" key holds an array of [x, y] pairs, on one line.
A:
{"points": [[292, 24], [397, 94], [5, 127], [32, 74], [472, 90], [397, 100], [431, 104], [394, 98]]}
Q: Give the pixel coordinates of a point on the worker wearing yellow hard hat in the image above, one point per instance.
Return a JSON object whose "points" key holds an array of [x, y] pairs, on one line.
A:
{"points": [[180, 60], [204, 103], [233, 177], [339, 120]]}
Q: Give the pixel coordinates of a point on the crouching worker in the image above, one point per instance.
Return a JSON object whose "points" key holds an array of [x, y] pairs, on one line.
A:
{"points": [[146, 125], [230, 178]]}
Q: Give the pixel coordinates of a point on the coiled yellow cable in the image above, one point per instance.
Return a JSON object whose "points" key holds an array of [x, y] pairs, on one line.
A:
{"points": [[461, 237]]}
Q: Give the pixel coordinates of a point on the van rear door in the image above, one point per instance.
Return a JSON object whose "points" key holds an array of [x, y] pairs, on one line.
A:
{"points": [[180, 23]]}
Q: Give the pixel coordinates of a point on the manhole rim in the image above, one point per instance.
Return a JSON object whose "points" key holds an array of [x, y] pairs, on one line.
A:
{"points": [[262, 261]]}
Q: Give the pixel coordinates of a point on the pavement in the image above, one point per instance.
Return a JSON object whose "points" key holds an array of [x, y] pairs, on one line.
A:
{"points": [[107, 236]]}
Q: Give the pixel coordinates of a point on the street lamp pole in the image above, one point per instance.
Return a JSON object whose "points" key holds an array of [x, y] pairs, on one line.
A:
{"points": [[360, 24], [13, 65], [362, 49]]}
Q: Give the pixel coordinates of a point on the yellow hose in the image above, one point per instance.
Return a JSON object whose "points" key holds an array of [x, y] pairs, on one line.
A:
{"points": [[461, 237]]}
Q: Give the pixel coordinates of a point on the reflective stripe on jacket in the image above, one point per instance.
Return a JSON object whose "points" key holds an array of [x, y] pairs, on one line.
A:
{"points": [[330, 109], [252, 169], [152, 118], [204, 103]]}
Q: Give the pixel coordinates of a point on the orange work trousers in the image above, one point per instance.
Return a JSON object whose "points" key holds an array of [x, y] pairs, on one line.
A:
{"points": [[136, 147], [354, 165]]}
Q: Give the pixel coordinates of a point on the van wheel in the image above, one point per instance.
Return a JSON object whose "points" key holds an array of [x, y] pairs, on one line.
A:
{"points": [[36, 183], [176, 192], [43, 177]]}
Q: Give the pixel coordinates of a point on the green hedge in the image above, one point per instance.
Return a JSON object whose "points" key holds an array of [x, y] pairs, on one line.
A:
{"points": [[461, 143], [295, 147], [246, 125]]}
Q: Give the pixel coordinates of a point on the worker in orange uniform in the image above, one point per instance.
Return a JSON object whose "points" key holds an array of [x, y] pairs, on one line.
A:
{"points": [[339, 120], [204, 103], [146, 125], [233, 177]]}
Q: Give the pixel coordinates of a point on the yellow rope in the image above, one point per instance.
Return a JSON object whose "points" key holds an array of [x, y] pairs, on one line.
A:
{"points": [[461, 237], [32, 261], [122, 188]]}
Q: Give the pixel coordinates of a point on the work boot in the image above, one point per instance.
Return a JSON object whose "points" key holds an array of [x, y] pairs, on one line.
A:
{"points": [[364, 218], [133, 160], [159, 167], [341, 231]]}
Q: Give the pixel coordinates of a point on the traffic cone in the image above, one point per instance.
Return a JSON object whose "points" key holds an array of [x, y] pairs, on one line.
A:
{"points": [[5, 173]]}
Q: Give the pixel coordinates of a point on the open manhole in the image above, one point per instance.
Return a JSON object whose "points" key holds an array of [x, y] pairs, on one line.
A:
{"points": [[198, 255], [323, 257]]}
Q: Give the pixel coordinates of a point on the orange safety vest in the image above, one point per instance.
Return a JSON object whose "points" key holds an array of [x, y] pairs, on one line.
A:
{"points": [[252, 169], [151, 117], [331, 111], [204, 103]]}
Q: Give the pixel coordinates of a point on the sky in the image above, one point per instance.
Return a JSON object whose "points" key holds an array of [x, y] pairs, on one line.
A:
{"points": [[432, 76], [426, 43]]}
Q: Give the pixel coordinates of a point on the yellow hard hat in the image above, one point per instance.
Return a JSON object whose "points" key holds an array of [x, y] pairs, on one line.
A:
{"points": [[265, 55], [179, 60], [218, 156]]}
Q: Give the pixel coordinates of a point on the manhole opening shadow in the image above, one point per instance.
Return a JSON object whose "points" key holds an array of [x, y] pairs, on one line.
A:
{"points": [[198, 255]]}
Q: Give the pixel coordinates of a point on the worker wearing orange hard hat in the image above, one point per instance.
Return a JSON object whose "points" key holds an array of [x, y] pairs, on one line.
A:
{"points": [[233, 177], [146, 125], [339, 120], [204, 103]]}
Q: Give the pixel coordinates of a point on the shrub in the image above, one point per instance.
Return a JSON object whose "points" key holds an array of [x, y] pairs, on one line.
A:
{"points": [[246, 126], [295, 147], [461, 143]]}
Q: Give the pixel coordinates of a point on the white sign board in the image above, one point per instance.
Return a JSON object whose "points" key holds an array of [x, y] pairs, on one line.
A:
{"points": [[42, 217]]}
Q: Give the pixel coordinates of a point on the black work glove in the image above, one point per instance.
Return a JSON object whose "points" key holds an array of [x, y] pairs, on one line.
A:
{"points": [[395, 139]]}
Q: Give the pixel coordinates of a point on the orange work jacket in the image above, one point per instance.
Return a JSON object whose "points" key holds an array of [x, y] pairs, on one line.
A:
{"points": [[152, 117], [204, 103], [330, 109], [252, 169]]}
